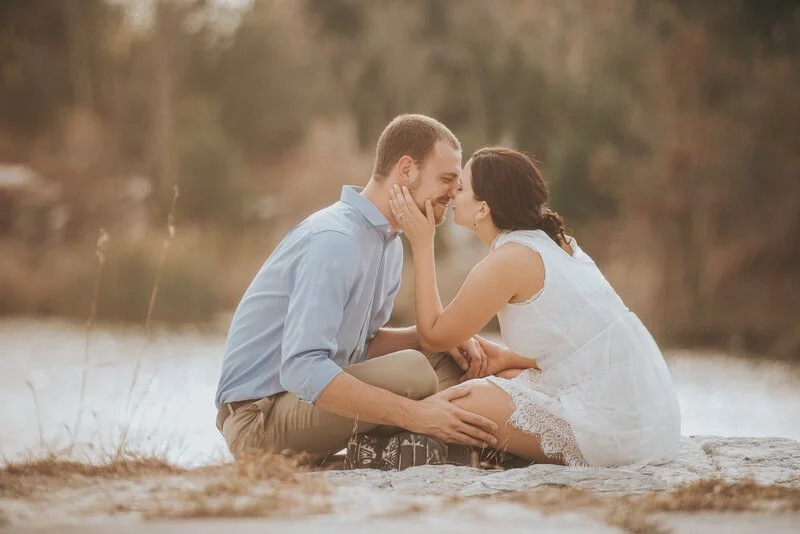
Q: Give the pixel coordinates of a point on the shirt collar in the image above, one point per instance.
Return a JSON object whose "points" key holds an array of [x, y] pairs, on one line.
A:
{"points": [[351, 195]]}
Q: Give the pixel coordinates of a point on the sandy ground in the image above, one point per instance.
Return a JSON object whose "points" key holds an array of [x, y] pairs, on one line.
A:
{"points": [[714, 484], [513, 521], [463, 519]]}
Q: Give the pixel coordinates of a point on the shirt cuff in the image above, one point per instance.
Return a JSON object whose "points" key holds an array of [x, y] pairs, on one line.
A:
{"points": [[324, 372]]}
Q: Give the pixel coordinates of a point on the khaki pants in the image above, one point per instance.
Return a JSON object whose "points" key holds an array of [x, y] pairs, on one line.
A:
{"points": [[286, 422]]}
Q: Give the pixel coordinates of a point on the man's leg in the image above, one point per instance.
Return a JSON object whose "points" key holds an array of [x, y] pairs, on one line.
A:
{"points": [[300, 426], [447, 375], [447, 370]]}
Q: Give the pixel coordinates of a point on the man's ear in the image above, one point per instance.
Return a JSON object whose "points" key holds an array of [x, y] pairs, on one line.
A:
{"points": [[408, 170]]}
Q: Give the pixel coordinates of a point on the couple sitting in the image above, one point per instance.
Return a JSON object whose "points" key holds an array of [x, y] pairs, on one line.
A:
{"points": [[310, 366]]}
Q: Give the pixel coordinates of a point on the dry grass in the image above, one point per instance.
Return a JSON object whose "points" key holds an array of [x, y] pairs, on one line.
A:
{"points": [[26, 478], [639, 514], [721, 496], [634, 519], [276, 501], [255, 485], [411, 509], [60, 468], [556, 498], [274, 485], [635, 514]]}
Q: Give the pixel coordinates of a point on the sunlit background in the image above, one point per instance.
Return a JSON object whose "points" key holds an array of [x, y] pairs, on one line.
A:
{"points": [[668, 131]]}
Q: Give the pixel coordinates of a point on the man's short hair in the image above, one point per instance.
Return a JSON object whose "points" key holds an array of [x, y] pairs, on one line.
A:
{"points": [[413, 135]]}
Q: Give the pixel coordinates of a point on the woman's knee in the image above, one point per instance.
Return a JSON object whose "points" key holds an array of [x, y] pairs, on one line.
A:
{"points": [[509, 373], [484, 398]]}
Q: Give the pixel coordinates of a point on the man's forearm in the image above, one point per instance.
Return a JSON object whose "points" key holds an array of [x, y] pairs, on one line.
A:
{"points": [[349, 397], [389, 340]]}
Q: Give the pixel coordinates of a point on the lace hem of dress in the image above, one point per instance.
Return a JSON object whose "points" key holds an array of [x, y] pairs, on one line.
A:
{"points": [[555, 434]]}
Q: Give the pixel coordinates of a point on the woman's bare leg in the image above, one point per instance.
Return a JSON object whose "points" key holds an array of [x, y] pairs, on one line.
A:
{"points": [[491, 402], [509, 373]]}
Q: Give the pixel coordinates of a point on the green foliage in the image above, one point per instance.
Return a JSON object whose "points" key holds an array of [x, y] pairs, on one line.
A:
{"points": [[266, 88], [48, 50], [186, 292], [671, 121], [210, 172]]}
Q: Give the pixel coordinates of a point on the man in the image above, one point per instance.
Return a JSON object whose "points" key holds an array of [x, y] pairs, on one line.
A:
{"points": [[308, 361]]}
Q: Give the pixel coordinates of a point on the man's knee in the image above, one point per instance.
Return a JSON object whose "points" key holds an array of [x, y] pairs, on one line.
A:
{"points": [[422, 379], [407, 373], [415, 378], [447, 370]]}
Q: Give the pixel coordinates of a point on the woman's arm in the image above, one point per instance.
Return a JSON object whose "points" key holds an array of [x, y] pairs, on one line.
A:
{"points": [[502, 358], [490, 285], [389, 340]]}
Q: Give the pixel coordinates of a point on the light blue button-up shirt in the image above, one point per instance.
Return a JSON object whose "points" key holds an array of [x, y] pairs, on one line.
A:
{"points": [[314, 305]]}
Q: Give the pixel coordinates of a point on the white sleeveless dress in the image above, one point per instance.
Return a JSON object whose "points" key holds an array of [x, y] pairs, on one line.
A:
{"points": [[603, 396]]}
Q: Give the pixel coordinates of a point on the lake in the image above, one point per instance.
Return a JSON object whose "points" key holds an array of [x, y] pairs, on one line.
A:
{"points": [[162, 391]]}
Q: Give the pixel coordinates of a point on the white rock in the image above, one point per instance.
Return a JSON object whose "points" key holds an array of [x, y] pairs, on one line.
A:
{"points": [[765, 460]]}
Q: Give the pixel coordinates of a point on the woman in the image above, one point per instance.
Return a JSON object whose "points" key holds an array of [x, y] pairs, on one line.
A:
{"points": [[582, 381]]}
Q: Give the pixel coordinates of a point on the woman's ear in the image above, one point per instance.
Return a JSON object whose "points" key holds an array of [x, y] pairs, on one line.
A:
{"points": [[484, 211]]}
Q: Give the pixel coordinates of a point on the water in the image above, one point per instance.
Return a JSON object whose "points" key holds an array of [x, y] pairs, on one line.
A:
{"points": [[169, 408]]}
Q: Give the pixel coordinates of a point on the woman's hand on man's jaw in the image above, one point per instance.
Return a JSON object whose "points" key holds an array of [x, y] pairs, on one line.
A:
{"points": [[418, 227]]}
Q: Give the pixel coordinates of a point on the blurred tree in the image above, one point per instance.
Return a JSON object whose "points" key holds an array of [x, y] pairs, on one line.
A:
{"points": [[52, 56], [672, 123], [267, 82], [720, 191], [210, 173]]}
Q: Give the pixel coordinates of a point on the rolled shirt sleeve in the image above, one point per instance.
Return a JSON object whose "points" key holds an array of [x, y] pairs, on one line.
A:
{"points": [[319, 287]]}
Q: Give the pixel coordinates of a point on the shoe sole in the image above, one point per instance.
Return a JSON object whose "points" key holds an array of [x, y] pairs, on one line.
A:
{"points": [[362, 452], [414, 450], [405, 449]]}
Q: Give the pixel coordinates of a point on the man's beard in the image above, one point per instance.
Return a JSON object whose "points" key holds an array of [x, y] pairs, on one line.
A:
{"points": [[439, 218], [438, 215]]}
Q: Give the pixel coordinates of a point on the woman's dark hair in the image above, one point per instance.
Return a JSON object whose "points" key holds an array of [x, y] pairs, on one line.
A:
{"points": [[511, 184]]}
